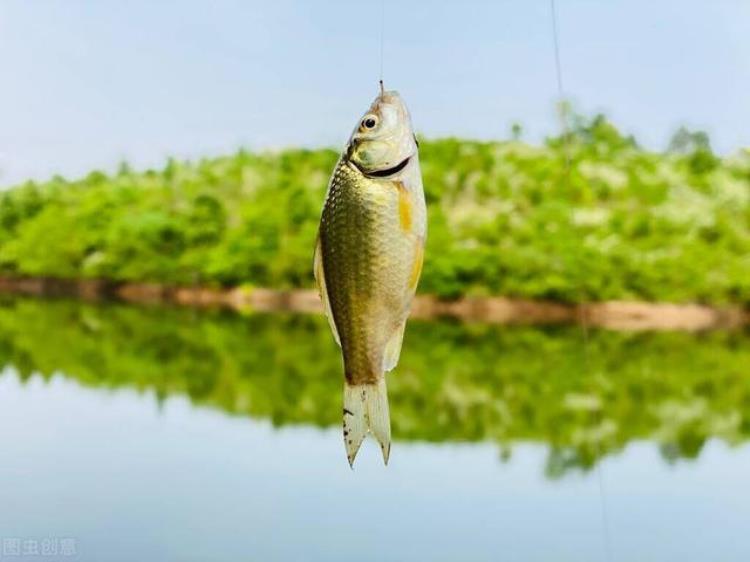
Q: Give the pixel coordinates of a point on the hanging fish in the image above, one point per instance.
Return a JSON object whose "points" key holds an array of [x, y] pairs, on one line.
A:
{"points": [[368, 258]]}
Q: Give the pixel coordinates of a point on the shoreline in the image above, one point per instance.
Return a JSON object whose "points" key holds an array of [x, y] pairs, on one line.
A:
{"points": [[614, 315]]}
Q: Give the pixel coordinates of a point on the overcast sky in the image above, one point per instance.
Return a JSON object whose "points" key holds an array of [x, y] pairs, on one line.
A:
{"points": [[87, 84]]}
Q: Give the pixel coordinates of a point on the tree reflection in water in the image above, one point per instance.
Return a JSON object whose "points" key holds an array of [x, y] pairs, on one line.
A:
{"points": [[454, 383]]}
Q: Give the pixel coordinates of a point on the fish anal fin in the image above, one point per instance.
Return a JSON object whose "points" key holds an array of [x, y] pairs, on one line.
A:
{"points": [[393, 348], [320, 279]]}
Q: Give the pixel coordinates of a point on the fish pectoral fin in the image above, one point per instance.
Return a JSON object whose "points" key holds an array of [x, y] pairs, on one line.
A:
{"points": [[393, 348], [320, 279], [416, 268]]}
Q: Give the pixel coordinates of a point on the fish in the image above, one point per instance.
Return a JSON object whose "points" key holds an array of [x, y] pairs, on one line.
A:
{"points": [[368, 259]]}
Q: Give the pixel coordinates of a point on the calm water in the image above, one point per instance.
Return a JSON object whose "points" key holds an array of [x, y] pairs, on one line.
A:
{"points": [[161, 434]]}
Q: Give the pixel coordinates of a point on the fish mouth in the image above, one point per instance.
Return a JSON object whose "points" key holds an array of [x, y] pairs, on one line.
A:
{"points": [[387, 172]]}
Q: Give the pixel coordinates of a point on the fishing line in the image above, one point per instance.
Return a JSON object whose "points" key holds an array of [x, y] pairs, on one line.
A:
{"points": [[382, 39], [556, 40], [583, 316], [560, 88]]}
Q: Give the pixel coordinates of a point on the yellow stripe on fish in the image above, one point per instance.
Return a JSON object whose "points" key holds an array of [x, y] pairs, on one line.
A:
{"points": [[404, 207]]}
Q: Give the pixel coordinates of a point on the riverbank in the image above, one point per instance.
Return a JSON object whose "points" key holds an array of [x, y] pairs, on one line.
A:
{"points": [[615, 315], [603, 220]]}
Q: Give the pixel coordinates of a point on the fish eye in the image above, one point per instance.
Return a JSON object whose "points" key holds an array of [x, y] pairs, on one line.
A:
{"points": [[369, 122]]}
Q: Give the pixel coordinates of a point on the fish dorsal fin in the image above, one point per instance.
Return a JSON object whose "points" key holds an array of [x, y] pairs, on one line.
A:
{"points": [[320, 279]]}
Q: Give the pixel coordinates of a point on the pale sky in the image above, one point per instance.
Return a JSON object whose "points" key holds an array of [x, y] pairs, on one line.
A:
{"points": [[88, 84]]}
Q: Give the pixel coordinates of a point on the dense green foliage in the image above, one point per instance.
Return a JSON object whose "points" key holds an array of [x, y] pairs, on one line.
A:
{"points": [[454, 383], [504, 218]]}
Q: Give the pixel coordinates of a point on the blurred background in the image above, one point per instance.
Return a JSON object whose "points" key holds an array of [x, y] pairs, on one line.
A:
{"points": [[575, 384]]}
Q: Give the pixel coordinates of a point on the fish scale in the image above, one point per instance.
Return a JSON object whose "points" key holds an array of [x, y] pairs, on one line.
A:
{"points": [[367, 262]]}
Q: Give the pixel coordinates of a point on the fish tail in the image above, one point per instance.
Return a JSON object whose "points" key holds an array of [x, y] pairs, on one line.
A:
{"points": [[366, 409]]}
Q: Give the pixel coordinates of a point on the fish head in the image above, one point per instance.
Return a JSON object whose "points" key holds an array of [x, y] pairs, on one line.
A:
{"points": [[383, 141]]}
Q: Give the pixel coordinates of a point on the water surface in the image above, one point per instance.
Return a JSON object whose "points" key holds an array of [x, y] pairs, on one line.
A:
{"points": [[166, 434]]}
